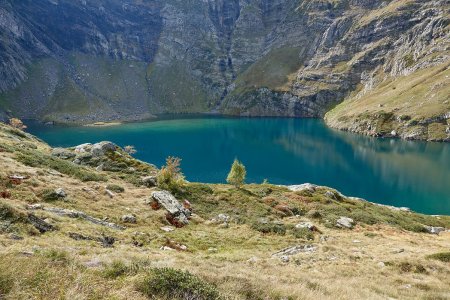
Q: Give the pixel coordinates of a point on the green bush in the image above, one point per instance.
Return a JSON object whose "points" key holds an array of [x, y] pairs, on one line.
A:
{"points": [[269, 228], [303, 233], [115, 188], [442, 256], [175, 284]]}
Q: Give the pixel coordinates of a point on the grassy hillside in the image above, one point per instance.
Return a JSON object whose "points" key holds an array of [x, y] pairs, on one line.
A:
{"points": [[228, 248], [412, 106]]}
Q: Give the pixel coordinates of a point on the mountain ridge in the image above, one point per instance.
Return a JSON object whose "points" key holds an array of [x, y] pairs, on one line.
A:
{"points": [[114, 60]]}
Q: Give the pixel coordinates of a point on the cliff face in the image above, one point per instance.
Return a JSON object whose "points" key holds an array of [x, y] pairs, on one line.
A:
{"points": [[79, 61]]}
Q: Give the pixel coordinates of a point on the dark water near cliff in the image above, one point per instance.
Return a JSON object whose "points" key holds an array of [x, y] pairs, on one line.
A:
{"points": [[285, 151]]}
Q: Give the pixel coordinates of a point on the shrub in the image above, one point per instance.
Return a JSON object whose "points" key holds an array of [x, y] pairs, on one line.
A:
{"points": [[442, 256], [303, 233], [175, 284], [115, 188], [170, 177], [237, 174], [50, 196], [269, 228], [115, 269]]}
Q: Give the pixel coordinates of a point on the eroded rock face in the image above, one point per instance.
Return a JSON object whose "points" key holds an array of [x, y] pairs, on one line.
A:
{"points": [[259, 58], [178, 215]]}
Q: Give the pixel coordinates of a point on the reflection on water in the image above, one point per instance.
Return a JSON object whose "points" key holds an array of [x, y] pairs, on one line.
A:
{"points": [[286, 151]]}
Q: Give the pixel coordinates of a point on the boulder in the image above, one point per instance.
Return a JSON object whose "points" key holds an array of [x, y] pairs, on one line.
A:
{"points": [[83, 148], [177, 214], [129, 219], [100, 149], [303, 187], [345, 222], [434, 230], [63, 153]]}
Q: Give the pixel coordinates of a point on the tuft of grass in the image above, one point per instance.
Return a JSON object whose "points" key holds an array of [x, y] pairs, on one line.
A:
{"points": [[49, 196], [169, 283], [442, 256], [303, 233]]}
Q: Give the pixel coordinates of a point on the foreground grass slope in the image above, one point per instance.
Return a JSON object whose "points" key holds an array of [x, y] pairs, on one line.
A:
{"points": [[225, 252]]}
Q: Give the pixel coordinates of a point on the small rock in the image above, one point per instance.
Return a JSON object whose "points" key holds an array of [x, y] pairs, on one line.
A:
{"points": [[330, 194], [93, 263], [83, 148], [345, 222], [150, 181], [356, 241], [381, 264], [223, 218], [213, 250], [284, 258], [177, 214], [398, 251], [308, 225], [167, 228], [60, 193], [253, 260], [129, 219], [394, 133], [109, 193], [165, 248]]}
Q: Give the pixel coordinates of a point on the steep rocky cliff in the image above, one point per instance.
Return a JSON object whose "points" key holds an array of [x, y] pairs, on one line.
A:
{"points": [[80, 61]]}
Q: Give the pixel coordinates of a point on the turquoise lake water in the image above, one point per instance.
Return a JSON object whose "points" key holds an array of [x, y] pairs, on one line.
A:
{"points": [[284, 151]]}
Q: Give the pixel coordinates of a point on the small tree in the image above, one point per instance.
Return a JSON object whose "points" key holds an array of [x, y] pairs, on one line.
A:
{"points": [[170, 176], [130, 149], [17, 123], [237, 174]]}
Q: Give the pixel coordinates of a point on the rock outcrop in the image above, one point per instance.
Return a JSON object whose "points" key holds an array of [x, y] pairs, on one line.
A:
{"points": [[177, 214]]}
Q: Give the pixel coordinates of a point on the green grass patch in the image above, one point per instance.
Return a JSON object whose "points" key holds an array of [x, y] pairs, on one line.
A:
{"points": [[442, 256]]}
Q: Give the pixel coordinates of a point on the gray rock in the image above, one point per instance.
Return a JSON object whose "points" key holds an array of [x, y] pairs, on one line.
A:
{"points": [[345, 222], [434, 230], [308, 225], [173, 207], [295, 250], [40, 224], [150, 181], [303, 187], [100, 149], [83, 148], [167, 228], [60, 193], [63, 153], [129, 219]]}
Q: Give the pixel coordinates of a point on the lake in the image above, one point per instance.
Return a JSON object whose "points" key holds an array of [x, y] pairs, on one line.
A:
{"points": [[284, 151]]}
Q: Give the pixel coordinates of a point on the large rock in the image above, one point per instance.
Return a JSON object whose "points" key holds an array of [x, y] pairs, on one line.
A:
{"points": [[345, 222], [434, 230], [303, 187], [178, 214], [100, 149]]}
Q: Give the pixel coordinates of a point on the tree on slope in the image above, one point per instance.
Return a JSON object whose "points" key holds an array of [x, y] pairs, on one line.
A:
{"points": [[237, 174]]}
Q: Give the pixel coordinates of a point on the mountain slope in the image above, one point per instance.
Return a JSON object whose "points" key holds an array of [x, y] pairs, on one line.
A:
{"points": [[85, 61]]}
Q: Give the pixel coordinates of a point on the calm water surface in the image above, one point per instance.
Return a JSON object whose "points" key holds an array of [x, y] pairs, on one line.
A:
{"points": [[284, 151]]}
